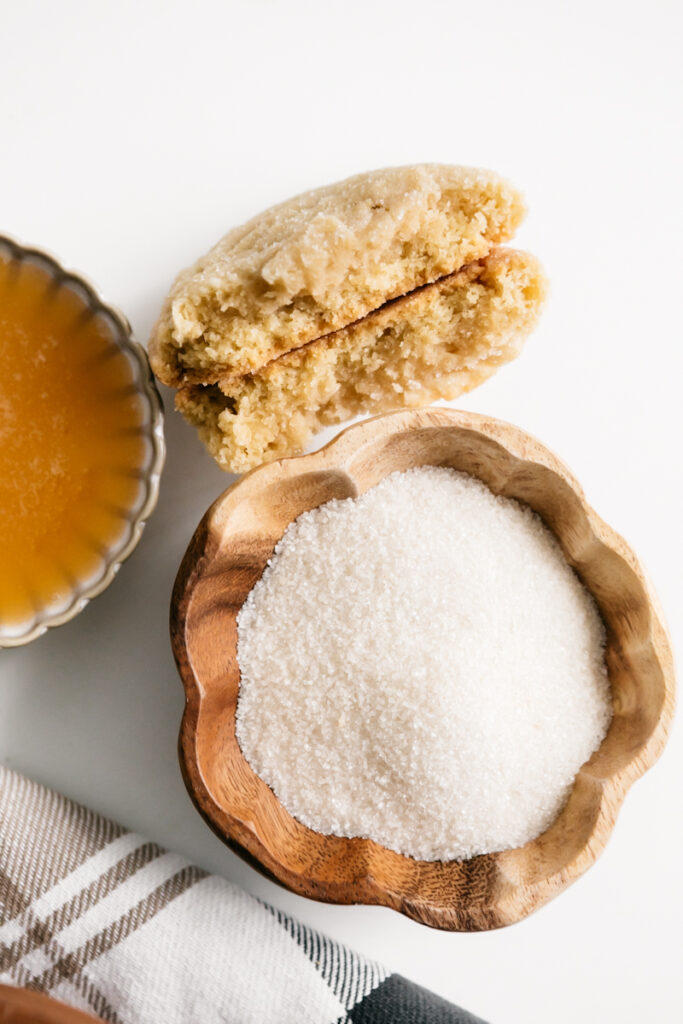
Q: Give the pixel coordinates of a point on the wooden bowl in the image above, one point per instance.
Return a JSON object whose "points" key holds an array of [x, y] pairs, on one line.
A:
{"points": [[19, 1006], [227, 556]]}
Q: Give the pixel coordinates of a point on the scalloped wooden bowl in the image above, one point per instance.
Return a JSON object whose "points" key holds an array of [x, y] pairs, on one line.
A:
{"points": [[227, 556]]}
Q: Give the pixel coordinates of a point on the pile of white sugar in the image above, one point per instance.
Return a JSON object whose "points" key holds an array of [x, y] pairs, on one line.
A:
{"points": [[421, 666]]}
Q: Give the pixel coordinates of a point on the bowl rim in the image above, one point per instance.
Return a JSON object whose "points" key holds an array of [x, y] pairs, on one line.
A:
{"points": [[154, 433], [522, 898]]}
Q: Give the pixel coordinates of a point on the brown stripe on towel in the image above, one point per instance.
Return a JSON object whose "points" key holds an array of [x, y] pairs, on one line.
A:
{"points": [[42, 931], [81, 983], [46, 836], [95, 999], [147, 908], [12, 899]]}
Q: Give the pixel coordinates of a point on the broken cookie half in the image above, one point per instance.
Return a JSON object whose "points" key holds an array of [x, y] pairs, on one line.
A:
{"points": [[384, 291], [437, 342]]}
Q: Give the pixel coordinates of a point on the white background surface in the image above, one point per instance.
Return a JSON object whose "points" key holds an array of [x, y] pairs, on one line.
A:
{"points": [[134, 134]]}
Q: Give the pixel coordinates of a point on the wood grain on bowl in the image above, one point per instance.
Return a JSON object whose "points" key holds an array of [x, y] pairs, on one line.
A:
{"points": [[228, 554], [19, 1006]]}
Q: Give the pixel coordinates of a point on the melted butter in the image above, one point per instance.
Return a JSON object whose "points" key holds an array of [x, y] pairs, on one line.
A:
{"points": [[70, 440]]}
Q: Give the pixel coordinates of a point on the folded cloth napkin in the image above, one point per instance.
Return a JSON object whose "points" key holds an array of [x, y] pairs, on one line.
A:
{"points": [[100, 918]]}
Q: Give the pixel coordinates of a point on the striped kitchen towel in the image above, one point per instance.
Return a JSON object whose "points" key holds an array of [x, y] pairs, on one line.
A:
{"points": [[106, 921]]}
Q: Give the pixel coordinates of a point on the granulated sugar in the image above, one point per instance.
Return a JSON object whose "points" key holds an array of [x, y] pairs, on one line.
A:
{"points": [[422, 667]]}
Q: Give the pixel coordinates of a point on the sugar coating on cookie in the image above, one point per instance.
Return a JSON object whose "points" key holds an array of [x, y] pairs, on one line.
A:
{"points": [[321, 261]]}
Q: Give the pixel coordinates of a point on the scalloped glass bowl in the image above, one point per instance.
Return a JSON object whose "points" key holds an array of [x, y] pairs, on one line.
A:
{"points": [[146, 472]]}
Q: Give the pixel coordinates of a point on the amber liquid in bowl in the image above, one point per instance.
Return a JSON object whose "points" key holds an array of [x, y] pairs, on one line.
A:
{"points": [[71, 430]]}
